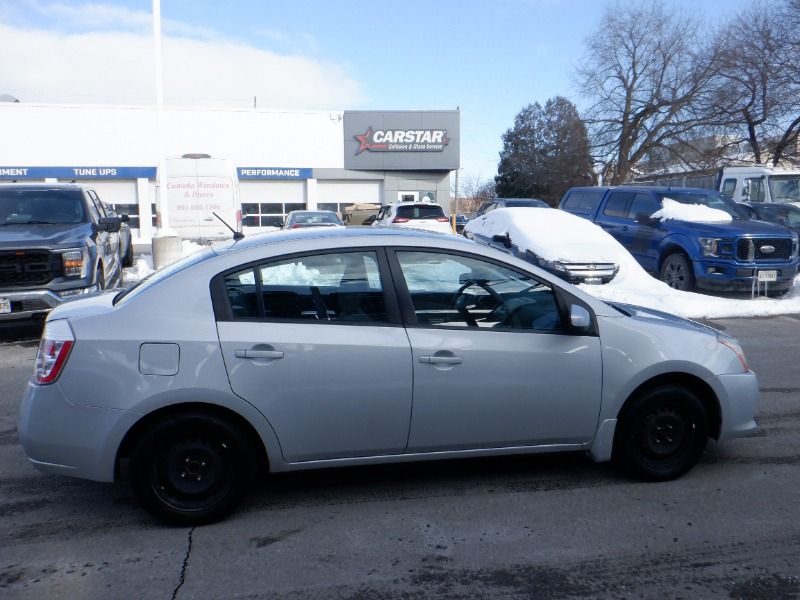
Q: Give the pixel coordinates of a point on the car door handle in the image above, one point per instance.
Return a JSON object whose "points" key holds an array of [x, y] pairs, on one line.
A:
{"points": [[441, 360], [258, 354]]}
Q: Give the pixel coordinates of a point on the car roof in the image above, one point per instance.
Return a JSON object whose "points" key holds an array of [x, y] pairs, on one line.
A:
{"points": [[643, 188], [399, 236]]}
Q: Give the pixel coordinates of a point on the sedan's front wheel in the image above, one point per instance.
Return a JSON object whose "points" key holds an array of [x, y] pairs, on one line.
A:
{"points": [[192, 469], [662, 434]]}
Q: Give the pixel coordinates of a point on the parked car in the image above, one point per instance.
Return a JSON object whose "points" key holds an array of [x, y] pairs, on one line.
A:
{"points": [[691, 238], [360, 213], [56, 242], [491, 205], [566, 245], [787, 215], [423, 214], [125, 236], [311, 218], [253, 354], [461, 222]]}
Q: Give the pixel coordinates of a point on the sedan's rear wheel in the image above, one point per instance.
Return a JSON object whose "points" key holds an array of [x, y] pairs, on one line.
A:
{"points": [[662, 434], [192, 469]]}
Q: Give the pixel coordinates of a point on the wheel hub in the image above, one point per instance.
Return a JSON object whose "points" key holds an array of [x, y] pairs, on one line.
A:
{"points": [[664, 433], [193, 467]]}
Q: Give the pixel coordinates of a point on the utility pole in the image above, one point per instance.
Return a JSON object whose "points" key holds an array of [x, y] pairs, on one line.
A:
{"points": [[455, 205]]}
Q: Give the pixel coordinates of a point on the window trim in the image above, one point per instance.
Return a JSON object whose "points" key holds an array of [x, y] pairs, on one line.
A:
{"points": [[562, 297], [223, 312]]}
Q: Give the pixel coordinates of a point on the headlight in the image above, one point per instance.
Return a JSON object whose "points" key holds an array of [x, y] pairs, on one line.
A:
{"points": [[709, 246], [74, 262], [733, 345]]}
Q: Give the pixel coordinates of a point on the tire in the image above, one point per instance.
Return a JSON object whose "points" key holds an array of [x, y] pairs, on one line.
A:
{"points": [[677, 273], [192, 469], [127, 259], [662, 434], [98, 278]]}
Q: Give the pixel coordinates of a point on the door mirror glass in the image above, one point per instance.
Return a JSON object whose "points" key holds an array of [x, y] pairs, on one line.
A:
{"points": [[579, 317]]}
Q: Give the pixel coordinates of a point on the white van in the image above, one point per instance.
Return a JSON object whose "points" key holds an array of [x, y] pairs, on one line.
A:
{"points": [[760, 183], [197, 187]]}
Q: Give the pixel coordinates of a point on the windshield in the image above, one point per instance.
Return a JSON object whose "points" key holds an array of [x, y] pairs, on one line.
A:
{"points": [[784, 188], [788, 216], [533, 202], [710, 199], [45, 206], [162, 274], [420, 211]]}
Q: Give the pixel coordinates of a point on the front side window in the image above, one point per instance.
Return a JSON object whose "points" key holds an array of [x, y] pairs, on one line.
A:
{"points": [[643, 206], [617, 205], [756, 189], [341, 287], [449, 290], [729, 187]]}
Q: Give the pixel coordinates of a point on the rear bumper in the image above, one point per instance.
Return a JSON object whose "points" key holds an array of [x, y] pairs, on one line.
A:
{"points": [[62, 438]]}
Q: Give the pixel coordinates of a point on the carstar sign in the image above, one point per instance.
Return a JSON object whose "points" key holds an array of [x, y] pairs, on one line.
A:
{"points": [[402, 140]]}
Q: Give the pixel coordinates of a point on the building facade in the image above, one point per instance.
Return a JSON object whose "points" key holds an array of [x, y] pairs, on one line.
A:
{"points": [[285, 160]]}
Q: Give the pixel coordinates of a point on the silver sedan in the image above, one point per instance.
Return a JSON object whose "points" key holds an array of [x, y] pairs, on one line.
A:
{"points": [[333, 347]]}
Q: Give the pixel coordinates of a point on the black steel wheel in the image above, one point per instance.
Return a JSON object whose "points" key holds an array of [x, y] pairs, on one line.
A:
{"points": [[127, 259], [192, 469], [662, 434], [676, 272]]}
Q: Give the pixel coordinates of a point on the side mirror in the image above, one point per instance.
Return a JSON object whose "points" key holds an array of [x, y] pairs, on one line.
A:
{"points": [[746, 190], [124, 218], [504, 239], [112, 224], [579, 317]]}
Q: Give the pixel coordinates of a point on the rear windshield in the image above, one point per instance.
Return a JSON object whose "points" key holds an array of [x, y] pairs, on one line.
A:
{"points": [[316, 217], [525, 203], [420, 211], [47, 206], [158, 276]]}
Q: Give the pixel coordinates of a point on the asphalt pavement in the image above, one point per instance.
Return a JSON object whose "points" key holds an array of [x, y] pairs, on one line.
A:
{"points": [[533, 527]]}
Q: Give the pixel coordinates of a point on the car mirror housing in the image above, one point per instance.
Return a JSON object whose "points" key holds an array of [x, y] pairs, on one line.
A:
{"points": [[111, 224], [579, 317], [504, 239]]}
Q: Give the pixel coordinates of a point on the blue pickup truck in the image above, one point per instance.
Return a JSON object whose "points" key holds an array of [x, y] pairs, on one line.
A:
{"points": [[723, 256]]}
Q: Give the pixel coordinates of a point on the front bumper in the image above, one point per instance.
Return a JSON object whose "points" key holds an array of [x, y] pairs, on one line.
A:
{"points": [[738, 397], [727, 276], [62, 438], [29, 303]]}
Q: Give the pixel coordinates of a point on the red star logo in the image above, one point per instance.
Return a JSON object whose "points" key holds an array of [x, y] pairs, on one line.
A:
{"points": [[364, 141]]}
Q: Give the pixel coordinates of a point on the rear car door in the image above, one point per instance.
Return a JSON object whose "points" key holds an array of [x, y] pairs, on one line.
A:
{"points": [[315, 342], [494, 363]]}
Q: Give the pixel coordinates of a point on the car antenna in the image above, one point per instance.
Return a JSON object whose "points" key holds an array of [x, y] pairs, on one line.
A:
{"points": [[237, 235]]}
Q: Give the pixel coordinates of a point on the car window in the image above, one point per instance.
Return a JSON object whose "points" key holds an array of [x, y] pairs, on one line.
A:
{"points": [[449, 290], [643, 205], [756, 185], [420, 211], [340, 287], [729, 187], [583, 201], [617, 204]]}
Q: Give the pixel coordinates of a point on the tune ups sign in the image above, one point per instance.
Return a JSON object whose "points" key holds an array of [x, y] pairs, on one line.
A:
{"points": [[402, 140]]}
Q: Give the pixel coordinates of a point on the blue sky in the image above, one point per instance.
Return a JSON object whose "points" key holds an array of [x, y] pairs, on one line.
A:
{"points": [[488, 58]]}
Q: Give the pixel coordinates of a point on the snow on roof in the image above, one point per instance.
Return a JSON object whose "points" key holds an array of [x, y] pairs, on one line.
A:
{"points": [[693, 213]]}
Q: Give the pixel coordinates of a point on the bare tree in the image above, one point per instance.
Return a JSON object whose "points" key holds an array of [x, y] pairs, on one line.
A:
{"points": [[648, 71], [473, 192], [757, 88]]}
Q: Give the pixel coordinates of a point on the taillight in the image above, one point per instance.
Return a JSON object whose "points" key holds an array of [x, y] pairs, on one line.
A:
{"points": [[400, 220], [296, 226], [57, 341], [443, 219]]}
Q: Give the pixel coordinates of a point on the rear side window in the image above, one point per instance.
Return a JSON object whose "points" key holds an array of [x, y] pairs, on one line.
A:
{"points": [[582, 201], [340, 287], [420, 211], [617, 205]]}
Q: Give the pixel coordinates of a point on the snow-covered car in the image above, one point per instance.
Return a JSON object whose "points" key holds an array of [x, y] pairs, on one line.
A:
{"points": [[568, 246], [339, 346], [422, 214]]}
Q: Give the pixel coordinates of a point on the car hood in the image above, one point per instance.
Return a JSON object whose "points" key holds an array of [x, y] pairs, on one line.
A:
{"points": [[737, 228], [22, 235], [650, 315]]}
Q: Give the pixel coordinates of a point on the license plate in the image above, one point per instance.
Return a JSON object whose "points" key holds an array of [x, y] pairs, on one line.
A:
{"points": [[5, 305], [768, 276]]}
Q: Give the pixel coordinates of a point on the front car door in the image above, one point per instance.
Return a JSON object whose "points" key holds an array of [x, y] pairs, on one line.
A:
{"points": [[315, 343], [494, 362]]}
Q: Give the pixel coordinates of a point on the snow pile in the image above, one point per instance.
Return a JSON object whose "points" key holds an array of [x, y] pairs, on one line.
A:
{"points": [[551, 234], [693, 213]]}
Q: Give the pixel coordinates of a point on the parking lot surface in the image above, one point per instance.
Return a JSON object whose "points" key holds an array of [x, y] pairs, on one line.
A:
{"points": [[532, 527]]}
